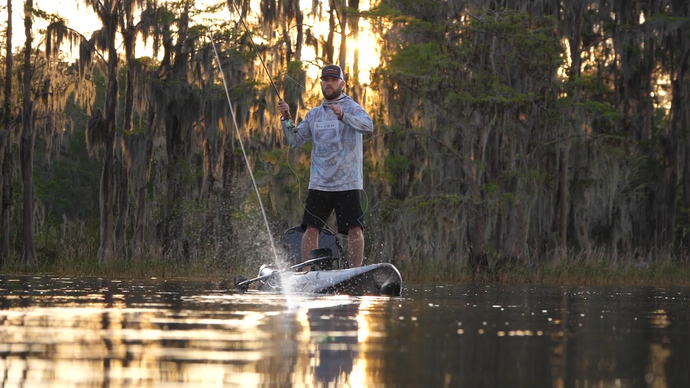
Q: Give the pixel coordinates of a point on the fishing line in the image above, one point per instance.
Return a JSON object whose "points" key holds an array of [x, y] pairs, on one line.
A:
{"points": [[286, 115], [244, 152], [295, 81]]}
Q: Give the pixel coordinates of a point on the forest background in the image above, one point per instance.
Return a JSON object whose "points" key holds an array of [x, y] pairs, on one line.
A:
{"points": [[514, 140]]}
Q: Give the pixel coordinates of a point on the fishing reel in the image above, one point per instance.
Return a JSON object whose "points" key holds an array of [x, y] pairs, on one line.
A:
{"points": [[289, 124], [269, 278]]}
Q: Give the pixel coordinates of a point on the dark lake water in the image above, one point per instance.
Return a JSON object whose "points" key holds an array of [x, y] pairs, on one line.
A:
{"points": [[98, 333]]}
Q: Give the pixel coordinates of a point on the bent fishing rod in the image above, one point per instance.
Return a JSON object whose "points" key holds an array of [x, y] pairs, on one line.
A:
{"points": [[286, 115]]}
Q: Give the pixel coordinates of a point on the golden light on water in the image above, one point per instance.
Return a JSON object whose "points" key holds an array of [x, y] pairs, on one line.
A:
{"points": [[126, 335], [358, 377], [123, 345], [659, 318]]}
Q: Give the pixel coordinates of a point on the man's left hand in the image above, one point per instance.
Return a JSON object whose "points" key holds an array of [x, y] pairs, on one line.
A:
{"points": [[337, 109]]}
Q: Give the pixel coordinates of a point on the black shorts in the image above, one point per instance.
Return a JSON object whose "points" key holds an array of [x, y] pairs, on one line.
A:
{"points": [[347, 205]]}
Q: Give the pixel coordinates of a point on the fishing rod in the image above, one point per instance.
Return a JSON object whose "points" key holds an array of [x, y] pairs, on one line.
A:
{"points": [[290, 124], [268, 273], [286, 115]]}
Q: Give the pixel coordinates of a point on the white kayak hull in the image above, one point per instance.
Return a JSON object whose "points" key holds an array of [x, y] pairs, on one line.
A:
{"points": [[375, 279]]}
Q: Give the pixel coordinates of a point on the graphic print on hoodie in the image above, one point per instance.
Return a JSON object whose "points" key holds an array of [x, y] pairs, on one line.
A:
{"points": [[336, 157]]}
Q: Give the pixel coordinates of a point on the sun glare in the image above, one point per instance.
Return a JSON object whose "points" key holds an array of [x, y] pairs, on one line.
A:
{"points": [[365, 43], [82, 19]]}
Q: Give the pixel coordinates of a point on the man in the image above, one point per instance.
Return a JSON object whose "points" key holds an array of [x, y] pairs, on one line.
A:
{"points": [[335, 128]]}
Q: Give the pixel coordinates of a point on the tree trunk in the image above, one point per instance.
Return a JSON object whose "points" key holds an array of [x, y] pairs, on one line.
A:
{"points": [[108, 175], [300, 32], [328, 46], [139, 219], [288, 42], [581, 203], [343, 35], [681, 114], [6, 198], [677, 124], [6, 109], [122, 171], [140, 211], [518, 230], [172, 226], [572, 28], [686, 194], [227, 238], [563, 198], [477, 220], [122, 197], [354, 89], [5, 154], [27, 147]]}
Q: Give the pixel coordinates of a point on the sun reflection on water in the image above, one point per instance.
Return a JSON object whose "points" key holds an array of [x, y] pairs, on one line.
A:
{"points": [[127, 335], [358, 377], [86, 341]]}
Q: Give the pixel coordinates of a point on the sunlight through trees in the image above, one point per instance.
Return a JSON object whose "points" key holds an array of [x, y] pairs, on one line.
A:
{"points": [[505, 132]]}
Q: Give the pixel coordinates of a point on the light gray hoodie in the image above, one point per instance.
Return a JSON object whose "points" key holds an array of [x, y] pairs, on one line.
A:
{"points": [[336, 156]]}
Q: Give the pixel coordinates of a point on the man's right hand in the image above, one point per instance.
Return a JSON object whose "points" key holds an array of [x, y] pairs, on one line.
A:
{"points": [[284, 108]]}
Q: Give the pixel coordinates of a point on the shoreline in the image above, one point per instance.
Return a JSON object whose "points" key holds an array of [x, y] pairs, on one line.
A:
{"points": [[563, 273]]}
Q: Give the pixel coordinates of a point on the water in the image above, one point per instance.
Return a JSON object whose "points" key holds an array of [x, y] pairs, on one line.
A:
{"points": [[95, 332]]}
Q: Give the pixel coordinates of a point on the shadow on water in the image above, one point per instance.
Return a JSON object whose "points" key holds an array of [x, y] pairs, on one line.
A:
{"points": [[100, 332]]}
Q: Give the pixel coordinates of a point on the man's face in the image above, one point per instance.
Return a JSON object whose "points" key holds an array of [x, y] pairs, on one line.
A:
{"points": [[332, 87]]}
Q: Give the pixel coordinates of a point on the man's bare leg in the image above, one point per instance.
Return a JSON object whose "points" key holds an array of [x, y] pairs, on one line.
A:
{"points": [[310, 241], [355, 246]]}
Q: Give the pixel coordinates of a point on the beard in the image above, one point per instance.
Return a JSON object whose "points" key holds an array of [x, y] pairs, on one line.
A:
{"points": [[332, 94]]}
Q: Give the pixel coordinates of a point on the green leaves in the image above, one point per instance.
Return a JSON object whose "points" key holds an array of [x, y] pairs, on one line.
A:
{"points": [[395, 166], [383, 11], [489, 63], [421, 60]]}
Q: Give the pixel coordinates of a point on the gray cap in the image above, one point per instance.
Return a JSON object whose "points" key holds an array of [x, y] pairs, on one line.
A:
{"points": [[332, 71]]}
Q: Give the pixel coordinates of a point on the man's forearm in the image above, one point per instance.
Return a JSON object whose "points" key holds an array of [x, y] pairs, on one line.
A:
{"points": [[294, 138], [359, 122]]}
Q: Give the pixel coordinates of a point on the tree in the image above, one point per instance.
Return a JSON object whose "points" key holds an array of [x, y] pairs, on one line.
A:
{"points": [[103, 129], [28, 139], [130, 30], [5, 154]]}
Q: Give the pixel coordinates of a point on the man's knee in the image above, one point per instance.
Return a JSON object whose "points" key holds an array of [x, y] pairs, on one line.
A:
{"points": [[356, 232], [311, 231]]}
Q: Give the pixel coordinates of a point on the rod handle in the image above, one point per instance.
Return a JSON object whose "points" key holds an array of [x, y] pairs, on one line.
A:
{"points": [[287, 117]]}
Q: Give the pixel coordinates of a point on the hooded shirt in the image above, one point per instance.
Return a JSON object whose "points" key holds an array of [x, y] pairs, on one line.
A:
{"points": [[336, 156]]}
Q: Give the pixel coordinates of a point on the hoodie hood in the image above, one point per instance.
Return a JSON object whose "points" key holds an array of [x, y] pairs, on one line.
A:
{"points": [[340, 100]]}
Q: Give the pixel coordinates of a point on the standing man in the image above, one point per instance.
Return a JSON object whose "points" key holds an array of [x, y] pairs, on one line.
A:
{"points": [[336, 128]]}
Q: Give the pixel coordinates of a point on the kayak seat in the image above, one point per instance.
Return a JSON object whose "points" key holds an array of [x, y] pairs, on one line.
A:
{"points": [[292, 244]]}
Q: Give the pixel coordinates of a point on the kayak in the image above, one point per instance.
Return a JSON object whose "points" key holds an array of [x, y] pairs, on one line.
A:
{"points": [[327, 273], [375, 279]]}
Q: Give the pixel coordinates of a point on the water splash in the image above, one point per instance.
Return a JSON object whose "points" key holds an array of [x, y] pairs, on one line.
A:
{"points": [[278, 262], [244, 153]]}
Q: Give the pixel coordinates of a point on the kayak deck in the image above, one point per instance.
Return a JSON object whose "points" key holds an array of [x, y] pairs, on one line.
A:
{"points": [[375, 279]]}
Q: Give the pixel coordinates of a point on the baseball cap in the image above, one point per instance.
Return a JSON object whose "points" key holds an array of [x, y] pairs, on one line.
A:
{"points": [[332, 71]]}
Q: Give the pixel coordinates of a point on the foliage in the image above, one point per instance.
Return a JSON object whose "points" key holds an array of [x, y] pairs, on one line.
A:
{"points": [[504, 137]]}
